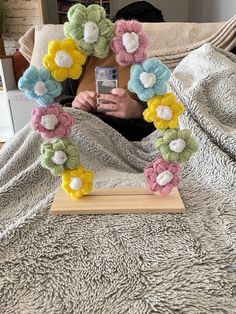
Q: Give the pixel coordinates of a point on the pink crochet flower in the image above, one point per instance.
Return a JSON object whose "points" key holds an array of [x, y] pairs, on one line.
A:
{"points": [[51, 121], [162, 176], [129, 42]]}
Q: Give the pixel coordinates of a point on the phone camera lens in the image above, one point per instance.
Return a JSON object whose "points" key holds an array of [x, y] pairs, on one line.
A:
{"points": [[114, 71], [114, 76]]}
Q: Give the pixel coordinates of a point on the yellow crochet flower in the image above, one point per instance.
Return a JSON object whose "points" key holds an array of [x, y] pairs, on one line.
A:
{"points": [[77, 182], [163, 111], [64, 59]]}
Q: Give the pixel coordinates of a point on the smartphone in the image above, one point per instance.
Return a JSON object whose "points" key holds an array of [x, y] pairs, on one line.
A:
{"points": [[106, 79]]}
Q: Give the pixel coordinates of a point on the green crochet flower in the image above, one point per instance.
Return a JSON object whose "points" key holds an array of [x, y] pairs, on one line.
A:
{"points": [[59, 155], [176, 145], [90, 28]]}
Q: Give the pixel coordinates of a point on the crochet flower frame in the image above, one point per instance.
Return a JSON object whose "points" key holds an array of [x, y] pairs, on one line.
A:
{"points": [[89, 32]]}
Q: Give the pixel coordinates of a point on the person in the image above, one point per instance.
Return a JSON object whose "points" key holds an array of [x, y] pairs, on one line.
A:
{"points": [[124, 111]]}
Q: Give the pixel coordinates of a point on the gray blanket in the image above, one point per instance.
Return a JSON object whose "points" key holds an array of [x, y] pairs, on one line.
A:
{"points": [[183, 263]]}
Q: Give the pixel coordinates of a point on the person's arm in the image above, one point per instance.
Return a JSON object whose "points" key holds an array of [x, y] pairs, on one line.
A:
{"points": [[121, 105]]}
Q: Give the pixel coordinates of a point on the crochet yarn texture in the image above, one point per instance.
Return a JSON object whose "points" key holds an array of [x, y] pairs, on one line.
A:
{"points": [[89, 32], [90, 28]]}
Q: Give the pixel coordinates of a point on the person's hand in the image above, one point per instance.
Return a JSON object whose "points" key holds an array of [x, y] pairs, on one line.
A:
{"points": [[120, 105], [85, 101]]}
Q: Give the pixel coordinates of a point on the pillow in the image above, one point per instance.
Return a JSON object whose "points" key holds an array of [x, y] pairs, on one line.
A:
{"points": [[42, 35], [171, 42]]}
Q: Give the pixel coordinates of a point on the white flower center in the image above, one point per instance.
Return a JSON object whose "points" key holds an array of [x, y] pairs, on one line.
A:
{"points": [[177, 145], [75, 183], [164, 112], [130, 41], [91, 32], [49, 121], [63, 59], [40, 88], [148, 79], [164, 178], [59, 157]]}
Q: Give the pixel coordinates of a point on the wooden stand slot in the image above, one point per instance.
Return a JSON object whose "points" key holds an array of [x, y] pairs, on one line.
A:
{"points": [[117, 201]]}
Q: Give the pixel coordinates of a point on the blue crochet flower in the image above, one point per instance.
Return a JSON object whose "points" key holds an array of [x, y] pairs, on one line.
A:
{"points": [[148, 79], [39, 85]]}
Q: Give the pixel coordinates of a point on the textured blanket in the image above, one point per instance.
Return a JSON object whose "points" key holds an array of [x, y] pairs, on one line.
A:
{"points": [[147, 263]]}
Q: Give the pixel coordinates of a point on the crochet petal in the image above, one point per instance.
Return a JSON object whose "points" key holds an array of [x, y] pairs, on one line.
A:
{"points": [[139, 55], [166, 189], [87, 48], [149, 65], [116, 45], [168, 98], [160, 142], [54, 109], [120, 28], [185, 156], [31, 94], [146, 94], [44, 74], [149, 115], [61, 131], [135, 71], [73, 30], [133, 26], [77, 14], [24, 84], [161, 124], [60, 74], [173, 123], [171, 156], [192, 144], [75, 71], [100, 47], [57, 170], [86, 188], [143, 40], [135, 86], [49, 62], [124, 58], [160, 88], [54, 46], [66, 119], [170, 135], [47, 163], [178, 108], [72, 150], [95, 13], [45, 100], [106, 28], [185, 134], [59, 145], [76, 194], [54, 88], [72, 162], [78, 57], [68, 45], [164, 149], [31, 74]]}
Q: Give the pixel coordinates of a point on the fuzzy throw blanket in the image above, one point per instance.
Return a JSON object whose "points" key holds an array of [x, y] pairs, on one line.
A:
{"points": [[139, 263]]}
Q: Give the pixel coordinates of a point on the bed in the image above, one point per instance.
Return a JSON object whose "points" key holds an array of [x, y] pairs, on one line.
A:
{"points": [[184, 263]]}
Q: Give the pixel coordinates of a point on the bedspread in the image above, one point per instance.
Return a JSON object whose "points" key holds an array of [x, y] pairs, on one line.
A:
{"points": [[139, 263]]}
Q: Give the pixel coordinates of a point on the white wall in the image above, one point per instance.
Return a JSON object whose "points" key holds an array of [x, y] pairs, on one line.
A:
{"points": [[211, 10], [188, 10], [172, 10]]}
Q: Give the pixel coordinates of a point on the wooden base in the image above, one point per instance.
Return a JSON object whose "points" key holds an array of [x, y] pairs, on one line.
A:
{"points": [[117, 201]]}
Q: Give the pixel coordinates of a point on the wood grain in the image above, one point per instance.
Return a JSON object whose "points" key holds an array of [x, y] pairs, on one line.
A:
{"points": [[117, 201]]}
